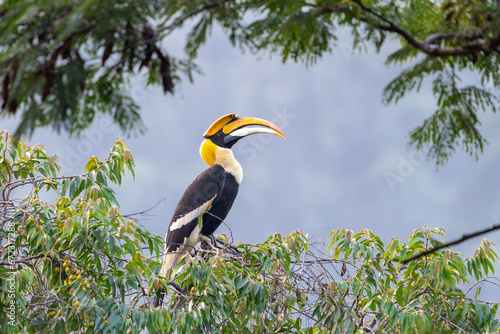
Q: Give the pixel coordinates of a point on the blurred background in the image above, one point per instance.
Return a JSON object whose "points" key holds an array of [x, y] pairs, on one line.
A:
{"points": [[345, 162]]}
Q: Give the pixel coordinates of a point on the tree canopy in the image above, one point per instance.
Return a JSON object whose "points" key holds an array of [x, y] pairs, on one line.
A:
{"points": [[72, 262], [64, 62]]}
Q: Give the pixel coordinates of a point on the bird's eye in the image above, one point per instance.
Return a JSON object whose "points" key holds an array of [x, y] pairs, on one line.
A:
{"points": [[219, 135]]}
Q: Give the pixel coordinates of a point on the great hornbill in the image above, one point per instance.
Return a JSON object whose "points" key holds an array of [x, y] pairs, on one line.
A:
{"points": [[212, 193]]}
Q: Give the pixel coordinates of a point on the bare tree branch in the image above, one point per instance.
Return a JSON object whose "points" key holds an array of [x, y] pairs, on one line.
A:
{"points": [[452, 243], [474, 46], [437, 38], [430, 45]]}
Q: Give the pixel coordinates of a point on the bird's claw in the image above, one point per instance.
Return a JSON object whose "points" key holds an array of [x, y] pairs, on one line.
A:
{"points": [[206, 242]]}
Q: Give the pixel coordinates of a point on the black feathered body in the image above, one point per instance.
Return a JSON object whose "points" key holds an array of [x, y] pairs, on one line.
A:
{"points": [[211, 195], [221, 208]]}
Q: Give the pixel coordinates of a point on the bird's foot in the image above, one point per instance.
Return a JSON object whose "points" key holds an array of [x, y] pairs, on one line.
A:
{"points": [[208, 243]]}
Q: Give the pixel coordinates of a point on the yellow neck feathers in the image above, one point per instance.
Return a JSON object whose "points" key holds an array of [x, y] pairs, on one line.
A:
{"points": [[208, 152], [213, 154]]}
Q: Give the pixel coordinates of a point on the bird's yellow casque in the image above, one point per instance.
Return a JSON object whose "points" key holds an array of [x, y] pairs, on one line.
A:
{"points": [[212, 193]]}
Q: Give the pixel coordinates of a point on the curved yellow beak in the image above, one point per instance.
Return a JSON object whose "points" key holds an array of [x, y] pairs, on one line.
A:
{"points": [[235, 127]]}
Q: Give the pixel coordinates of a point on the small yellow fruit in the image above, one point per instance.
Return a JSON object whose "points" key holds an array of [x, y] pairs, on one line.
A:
{"points": [[57, 269], [77, 303], [143, 272], [65, 264], [91, 324], [105, 321], [79, 277], [83, 289]]}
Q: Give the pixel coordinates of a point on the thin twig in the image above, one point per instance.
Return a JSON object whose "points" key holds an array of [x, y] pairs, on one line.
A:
{"points": [[142, 213], [180, 20], [452, 243]]}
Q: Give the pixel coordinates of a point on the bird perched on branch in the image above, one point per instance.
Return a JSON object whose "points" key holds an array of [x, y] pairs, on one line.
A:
{"points": [[207, 201]]}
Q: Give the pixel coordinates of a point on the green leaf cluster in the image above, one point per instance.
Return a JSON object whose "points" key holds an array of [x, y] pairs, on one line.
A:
{"points": [[77, 263], [429, 295], [252, 292], [284, 285], [457, 117], [64, 62], [70, 261]]}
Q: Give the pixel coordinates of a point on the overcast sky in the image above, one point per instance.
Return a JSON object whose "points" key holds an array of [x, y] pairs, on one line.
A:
{"points": [[345, 162]]}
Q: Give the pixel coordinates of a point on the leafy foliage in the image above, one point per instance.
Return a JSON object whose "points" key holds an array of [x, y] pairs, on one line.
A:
{"points": [[67, 61], [426, 296], [283, 285], [456, 118], [75, 263], [63, 62]]}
